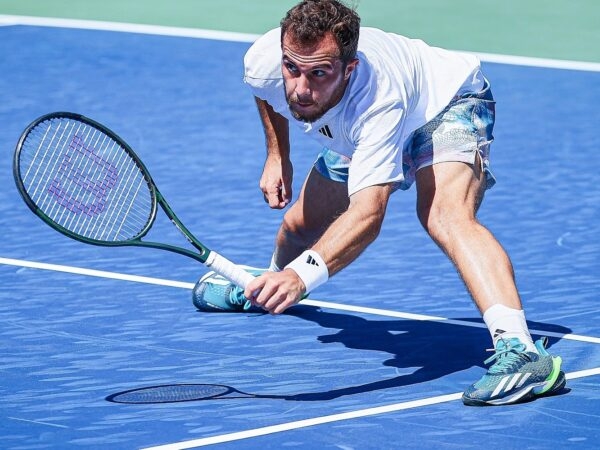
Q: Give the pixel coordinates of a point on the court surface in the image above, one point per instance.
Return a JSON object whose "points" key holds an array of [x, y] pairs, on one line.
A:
{"points": [[376, 358]]}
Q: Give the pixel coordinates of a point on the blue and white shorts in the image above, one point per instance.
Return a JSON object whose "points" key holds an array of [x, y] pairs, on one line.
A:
{"points": [[458, 133]]}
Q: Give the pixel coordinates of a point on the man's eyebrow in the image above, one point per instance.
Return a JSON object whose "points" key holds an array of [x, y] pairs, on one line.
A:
{"points": [[315, 64]]}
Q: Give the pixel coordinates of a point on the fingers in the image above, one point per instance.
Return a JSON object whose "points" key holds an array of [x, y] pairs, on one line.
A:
{"points": [[286, 194], [254, 288], [277, 197], [276, 182], [274, 292]]}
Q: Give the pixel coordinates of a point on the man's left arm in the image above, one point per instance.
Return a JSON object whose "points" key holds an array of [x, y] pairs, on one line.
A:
{"points": [[347, 237]]}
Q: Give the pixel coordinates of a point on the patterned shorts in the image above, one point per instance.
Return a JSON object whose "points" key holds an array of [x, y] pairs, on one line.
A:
{"points": [[458, 133]]}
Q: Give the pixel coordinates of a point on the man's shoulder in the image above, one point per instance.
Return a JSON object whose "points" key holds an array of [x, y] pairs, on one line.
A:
{"points": [[263, 60], [267, 44]]}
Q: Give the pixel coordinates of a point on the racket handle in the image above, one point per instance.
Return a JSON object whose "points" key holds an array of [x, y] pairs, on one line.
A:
{"points": [[229, 270]]}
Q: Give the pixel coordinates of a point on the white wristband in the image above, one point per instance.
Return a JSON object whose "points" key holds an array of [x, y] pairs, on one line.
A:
{"points": [[311, 269]]}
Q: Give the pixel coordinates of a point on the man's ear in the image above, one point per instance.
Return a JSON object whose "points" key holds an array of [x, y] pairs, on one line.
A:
{"points": [[350, 68]]}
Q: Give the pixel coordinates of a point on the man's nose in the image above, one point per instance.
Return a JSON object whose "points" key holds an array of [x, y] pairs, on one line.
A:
{"points": [[302, 86]]}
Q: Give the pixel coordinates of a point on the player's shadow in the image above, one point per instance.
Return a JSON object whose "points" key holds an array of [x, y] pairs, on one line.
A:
{"points": [[434, 348], [429, 350]]}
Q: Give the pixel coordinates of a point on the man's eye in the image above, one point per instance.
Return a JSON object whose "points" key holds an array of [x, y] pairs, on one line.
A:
{"points": [[291, 68], [318, 73]]}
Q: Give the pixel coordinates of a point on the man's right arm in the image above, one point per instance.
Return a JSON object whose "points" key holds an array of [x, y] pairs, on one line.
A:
{"points": [[276, 180]]}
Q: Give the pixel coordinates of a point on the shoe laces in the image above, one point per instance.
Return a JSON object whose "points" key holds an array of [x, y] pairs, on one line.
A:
{"points": [[509, 353], [236, 296]]}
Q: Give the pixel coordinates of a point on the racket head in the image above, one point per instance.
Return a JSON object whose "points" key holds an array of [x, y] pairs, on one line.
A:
{"points": [[171, 393], [83, 180]]}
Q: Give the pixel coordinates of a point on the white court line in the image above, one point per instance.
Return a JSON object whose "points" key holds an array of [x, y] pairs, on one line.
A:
{"points": [[246, 37], [229, 437], [94, 273], [309, 302], [307, 423], [123, 27]]}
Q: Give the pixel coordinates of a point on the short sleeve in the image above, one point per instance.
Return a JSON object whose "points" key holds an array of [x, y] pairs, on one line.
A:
{"points": [[379, 143], [262, 70]]}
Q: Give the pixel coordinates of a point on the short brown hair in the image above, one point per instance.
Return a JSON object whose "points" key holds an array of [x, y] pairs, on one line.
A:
{"points": [[310, 20]]}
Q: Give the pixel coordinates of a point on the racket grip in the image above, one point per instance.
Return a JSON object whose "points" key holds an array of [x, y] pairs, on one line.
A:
{"points": [[229, 270]]}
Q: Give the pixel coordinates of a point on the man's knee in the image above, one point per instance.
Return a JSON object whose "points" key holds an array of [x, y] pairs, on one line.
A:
{"points": [[295, 231], [444, 221], [448, 197]]}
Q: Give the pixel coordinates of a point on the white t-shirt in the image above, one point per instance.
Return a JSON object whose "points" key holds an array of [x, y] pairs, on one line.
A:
{"points": [[398, 85]]}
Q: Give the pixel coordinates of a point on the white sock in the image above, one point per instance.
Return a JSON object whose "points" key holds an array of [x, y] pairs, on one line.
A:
{"points": [[505, 322], [273, 267]]}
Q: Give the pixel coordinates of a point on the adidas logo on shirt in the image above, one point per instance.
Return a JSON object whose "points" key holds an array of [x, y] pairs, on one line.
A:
{"points": [[325, 131]]}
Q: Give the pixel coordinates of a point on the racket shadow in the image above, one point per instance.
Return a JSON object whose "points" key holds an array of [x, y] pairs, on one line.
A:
{"points": [[182, 392]]}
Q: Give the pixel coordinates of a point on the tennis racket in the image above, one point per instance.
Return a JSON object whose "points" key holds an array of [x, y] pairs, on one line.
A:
{"points": [[84, 181]]}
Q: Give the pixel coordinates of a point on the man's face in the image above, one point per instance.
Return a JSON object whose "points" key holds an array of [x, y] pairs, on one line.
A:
{"points": [[314, 75]]}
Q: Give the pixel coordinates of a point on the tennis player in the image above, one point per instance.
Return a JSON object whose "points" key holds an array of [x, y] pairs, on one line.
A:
{"points": [[387, 112]]}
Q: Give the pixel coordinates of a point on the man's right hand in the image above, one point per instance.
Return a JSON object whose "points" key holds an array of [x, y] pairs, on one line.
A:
{"points": [[276, 183]]}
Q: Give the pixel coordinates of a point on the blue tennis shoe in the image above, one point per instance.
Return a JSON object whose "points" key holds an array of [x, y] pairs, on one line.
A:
{"points": [[516, 375], [214, 293]]}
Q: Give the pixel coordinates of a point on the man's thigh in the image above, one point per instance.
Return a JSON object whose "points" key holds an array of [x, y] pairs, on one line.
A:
{"points": [[320, 202], [451, 188]]}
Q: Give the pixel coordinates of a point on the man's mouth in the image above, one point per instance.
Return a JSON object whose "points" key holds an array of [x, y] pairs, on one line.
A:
{"points": [[303, 104]]}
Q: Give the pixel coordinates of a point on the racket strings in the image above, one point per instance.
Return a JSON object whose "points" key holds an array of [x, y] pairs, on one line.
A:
{"points": [[76, 176], [85, 181]]}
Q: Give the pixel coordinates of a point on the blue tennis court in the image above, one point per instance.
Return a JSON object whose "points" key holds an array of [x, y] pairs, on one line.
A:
{"points": [[376, 358]]}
